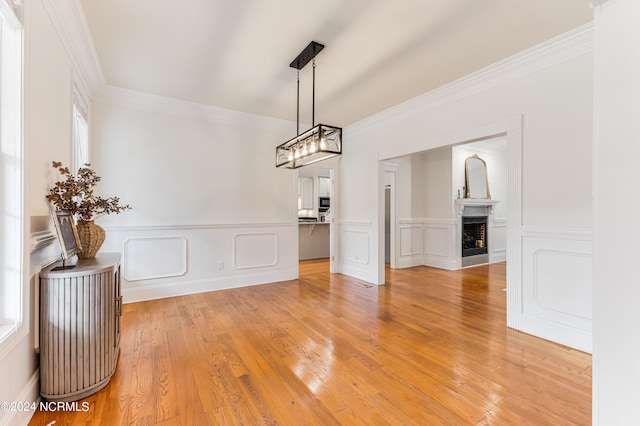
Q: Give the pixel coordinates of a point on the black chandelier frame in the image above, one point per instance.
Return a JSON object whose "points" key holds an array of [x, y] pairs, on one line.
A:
{"points": [[321, 141]]}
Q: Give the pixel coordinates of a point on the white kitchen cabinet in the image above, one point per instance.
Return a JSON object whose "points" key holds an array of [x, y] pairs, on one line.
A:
{"points": [[305, 193], [324, 186]]}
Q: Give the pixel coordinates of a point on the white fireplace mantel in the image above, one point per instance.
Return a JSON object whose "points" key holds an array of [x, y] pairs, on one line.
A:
{"points": [[461, 203]]}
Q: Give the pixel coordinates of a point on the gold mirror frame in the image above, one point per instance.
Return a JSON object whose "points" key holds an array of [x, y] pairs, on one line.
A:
{"points": [[469, 179]]}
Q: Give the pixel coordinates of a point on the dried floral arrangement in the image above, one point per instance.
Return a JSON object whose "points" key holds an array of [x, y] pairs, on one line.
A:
{"points": [[76, 194]]}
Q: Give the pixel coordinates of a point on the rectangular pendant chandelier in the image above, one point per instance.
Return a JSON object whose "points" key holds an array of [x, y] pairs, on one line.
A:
{"points": [[316, 144], [321, 141]]}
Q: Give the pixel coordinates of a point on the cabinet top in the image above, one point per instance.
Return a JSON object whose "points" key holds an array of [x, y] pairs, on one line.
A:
{"points": [[101, 263]]}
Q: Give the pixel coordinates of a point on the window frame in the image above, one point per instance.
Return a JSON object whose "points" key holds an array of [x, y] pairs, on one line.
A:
{"points": [[80, 130], [14, 313]]}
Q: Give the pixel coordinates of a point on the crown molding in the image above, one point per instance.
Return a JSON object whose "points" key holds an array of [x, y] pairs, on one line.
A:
{"points": [[164, 105], [572, 44], [596, 3], [69, 20], [70, 23], [11, 11]]}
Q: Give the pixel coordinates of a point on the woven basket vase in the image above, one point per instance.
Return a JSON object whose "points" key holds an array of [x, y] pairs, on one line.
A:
{"points": [[91, 237]]}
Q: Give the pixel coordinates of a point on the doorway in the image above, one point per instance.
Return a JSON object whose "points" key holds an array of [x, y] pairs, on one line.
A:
{"points": [[390, 236], [511, 130], [428, 183], [387, 224], [316, 204]]}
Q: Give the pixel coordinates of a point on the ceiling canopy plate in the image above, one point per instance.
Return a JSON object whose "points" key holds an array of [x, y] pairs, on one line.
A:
{"points": [[306, 55]]}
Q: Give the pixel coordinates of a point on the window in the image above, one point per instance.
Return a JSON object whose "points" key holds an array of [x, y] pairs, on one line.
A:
{"points": [[80, 131], [12, 280]]}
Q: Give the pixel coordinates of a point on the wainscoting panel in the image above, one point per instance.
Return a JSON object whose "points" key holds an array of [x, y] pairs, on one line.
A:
{"points": [[440, 236], [255, 250], [557, 285], [154, 257], [174, 260], [559, 280], [426, 241], [437, 241], [411, 240], [355, 248], [498, 243], [411, 244]]}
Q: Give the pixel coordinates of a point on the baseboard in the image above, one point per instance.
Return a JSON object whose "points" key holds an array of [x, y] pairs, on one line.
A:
{"points": [[441, 263], [358, 273], [573, 337], [410, 261], [499, 256], [30, 394], [183, 288]]}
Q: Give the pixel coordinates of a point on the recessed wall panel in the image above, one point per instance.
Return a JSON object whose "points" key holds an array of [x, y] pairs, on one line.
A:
{"points": [[561, 280], [557, 282], [255, 250], [411, 241], [154, 257], [355, 246], [437, 241]]}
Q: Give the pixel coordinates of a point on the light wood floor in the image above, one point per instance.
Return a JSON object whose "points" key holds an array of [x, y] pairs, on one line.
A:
{"points": [[428, 348]]}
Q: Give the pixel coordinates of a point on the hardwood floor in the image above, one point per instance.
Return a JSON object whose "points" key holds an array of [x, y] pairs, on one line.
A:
{"points": [[430, 347]]}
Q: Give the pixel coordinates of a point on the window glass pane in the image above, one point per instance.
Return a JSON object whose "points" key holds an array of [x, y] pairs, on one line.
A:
{"points": [[80, 139]]}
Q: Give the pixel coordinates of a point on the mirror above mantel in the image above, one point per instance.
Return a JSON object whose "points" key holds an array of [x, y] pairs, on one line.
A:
{"points": [[476, 179]]}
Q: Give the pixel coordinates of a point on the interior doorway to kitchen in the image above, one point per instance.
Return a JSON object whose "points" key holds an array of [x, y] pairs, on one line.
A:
{"points": [[316, 205]]}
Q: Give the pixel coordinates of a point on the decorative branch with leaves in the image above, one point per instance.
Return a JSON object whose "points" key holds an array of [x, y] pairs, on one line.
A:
{"points": [[76, 194]]}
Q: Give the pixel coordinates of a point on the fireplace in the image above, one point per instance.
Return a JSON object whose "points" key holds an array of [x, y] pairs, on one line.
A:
{"points": [[474, 236], [475, 231]]}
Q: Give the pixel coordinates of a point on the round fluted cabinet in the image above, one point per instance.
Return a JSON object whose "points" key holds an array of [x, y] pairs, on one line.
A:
{"points": [[79, 327]]}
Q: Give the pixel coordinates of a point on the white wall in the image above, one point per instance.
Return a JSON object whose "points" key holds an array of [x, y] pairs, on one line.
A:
{"points": [[410, 196], [409, 185], [616, 370], [48, 112], [210, 210], [438, 223], [438, 201], [550, 87], [175, 168]]}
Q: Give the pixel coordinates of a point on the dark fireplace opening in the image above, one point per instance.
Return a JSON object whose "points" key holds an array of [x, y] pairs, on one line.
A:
{"points": [[474, 235]]}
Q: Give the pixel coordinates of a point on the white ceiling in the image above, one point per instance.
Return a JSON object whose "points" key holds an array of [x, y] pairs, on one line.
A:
{"points": [[378, 53]]}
